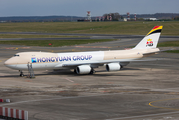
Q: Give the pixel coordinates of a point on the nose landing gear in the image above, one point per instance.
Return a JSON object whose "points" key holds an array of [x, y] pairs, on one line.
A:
{"points": [[21, 73]]}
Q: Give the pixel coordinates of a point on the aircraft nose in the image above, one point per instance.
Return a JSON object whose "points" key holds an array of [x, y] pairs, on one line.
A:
{"points": [[10, 63], [7, 62]]}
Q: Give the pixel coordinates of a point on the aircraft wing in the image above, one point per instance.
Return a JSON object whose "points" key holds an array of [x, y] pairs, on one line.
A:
{"points": [[101, 63]]}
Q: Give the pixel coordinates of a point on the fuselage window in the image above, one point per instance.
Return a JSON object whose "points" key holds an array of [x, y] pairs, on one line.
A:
{"points": [[16, 55]]}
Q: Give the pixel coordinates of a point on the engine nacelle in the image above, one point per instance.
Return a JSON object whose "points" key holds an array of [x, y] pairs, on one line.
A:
{"points": [[83, 69], [113, 67]]}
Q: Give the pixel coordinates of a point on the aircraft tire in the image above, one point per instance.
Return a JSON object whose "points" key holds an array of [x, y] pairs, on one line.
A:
{"points": [[75, 71], [21, 75], [92, 71]]}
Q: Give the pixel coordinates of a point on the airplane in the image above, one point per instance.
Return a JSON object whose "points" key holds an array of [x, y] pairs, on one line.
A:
{"points": [[85, 62]]}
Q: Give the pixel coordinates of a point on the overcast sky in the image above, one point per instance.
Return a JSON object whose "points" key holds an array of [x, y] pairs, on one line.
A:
{"points": [[79, 7]]}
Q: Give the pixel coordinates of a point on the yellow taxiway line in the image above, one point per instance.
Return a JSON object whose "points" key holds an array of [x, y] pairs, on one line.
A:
{"points": [[162, 101]]}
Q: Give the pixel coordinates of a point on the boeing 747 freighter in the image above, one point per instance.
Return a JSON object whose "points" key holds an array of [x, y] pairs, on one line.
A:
{"points": [[85, 62]]}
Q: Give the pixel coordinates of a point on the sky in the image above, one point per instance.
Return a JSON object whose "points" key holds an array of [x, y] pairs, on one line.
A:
{"points": [[79, 7]]}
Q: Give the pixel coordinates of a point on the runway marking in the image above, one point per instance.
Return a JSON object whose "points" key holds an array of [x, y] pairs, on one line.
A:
{"points": [[3, 60], [16, 49], [10, 48], [139, 116], [28, 80], [110, 83], [163, 107], [92, 47], [26, 47], [76, 84], [69, 80]]}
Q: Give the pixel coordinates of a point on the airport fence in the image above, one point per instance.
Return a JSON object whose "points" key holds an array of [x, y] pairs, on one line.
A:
{"points": [[9, 114]]}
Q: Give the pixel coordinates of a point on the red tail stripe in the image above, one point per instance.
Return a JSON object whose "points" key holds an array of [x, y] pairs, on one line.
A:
{"points": [[156, 27]]}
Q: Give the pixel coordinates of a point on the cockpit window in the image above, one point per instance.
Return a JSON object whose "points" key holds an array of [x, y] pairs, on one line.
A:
{"points": [[16, 55]]}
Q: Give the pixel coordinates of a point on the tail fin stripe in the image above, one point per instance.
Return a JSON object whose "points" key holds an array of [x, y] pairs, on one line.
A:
{"points": [[156, 31], [156, 27]]}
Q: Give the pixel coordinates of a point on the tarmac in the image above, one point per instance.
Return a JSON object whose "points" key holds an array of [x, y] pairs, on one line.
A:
{"points": [[140, 91]]}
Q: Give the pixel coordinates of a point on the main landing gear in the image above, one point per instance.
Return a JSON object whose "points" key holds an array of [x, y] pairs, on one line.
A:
{"points": [[92, 71], [21, 73]]}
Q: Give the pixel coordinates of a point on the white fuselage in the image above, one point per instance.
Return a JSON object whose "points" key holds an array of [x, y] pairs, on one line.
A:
{"points": [[85, 62], [45, 60]]}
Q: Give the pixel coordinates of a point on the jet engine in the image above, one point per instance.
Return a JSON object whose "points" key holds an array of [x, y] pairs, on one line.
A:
{"points": [[113, 67], [83, 69]]}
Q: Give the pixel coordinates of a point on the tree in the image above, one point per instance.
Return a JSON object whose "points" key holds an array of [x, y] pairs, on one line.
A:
{"points": [[114, 16], [176, 18]]}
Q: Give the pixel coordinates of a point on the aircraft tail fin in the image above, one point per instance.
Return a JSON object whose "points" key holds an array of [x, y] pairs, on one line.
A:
{"points": [[151, 39]]}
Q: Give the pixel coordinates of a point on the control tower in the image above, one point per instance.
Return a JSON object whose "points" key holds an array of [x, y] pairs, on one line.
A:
{"points": [[89, 15]]}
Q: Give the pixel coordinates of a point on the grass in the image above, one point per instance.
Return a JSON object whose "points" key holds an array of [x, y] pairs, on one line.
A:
{"points": [[169, 44], [128, 28], [55, 43], [34, 36], [172, 51]]}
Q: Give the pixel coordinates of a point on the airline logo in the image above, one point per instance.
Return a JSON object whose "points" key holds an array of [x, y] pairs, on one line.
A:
{"points": [[33, 60], [149, 42], [62, 58]]}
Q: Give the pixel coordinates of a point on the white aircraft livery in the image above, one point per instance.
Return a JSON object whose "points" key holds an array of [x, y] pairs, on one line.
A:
{"points": [[85, 62]]}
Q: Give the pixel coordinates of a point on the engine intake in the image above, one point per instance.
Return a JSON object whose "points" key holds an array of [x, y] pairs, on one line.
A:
{"points": [[83, 69], [113, 67]]}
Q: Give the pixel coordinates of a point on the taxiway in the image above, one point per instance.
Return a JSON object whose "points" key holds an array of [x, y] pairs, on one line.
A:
{"points": [[142, 90]]}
